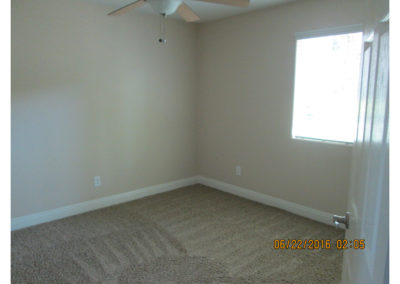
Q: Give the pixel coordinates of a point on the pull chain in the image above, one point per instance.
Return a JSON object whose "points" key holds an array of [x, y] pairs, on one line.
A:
{"points": [[162, 29]]}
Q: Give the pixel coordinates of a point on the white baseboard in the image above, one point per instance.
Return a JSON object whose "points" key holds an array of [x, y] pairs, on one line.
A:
{"points": [[59, 213], [79, 208], [304, 211]]}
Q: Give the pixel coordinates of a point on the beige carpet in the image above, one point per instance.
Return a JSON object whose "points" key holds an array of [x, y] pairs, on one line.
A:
{"points": [[190, 235]]}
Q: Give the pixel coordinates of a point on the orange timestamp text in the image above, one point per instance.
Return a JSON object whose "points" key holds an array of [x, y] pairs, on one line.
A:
{"points": [[298, 244]]}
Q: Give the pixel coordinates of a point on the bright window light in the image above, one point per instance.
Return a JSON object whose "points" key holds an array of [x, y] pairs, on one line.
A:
{"points": [[326, 87]]}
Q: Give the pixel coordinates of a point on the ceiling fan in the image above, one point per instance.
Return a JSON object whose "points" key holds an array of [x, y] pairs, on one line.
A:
{"points": [[168, 7]]}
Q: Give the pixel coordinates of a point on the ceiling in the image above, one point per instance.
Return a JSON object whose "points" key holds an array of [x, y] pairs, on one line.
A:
{"points": [[206, 11]]}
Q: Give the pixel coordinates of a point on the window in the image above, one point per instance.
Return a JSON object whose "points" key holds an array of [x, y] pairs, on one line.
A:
{"points": [[326, 87]]}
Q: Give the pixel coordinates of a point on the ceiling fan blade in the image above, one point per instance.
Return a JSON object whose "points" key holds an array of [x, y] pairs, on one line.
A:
{"points": [[126, 8], [237, 3], [187, 13]]}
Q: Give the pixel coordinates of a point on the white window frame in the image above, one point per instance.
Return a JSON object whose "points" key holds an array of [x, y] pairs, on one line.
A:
{"points": [[321, 33]]}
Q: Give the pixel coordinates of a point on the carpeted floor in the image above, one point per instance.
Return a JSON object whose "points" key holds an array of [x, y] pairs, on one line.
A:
{"points": [[190, 235]]}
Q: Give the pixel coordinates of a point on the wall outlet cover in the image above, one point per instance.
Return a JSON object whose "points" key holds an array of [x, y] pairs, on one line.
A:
{"points": [[238, 170], [97, 181]]}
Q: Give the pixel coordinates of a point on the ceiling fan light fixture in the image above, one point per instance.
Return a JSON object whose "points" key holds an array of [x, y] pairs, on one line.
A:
{"points": [[165, 7], [168, 7]]}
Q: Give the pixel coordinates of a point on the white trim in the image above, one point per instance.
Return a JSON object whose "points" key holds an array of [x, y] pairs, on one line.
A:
{"points": [[332, 142], [79, 208], [329, 32], [311, 213], [346, 274]]}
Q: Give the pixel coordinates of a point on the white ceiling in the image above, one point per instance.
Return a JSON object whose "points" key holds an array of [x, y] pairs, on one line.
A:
{"points": [[206, 11]]}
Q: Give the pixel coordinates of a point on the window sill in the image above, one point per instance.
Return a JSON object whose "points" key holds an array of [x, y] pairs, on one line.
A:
{"points": [[338, 143]]}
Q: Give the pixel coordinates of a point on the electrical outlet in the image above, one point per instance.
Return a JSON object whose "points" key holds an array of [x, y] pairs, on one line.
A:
{"points": [[97, 181], [238, 170]]}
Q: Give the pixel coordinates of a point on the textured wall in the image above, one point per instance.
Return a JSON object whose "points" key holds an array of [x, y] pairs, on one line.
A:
{"points": [[97, 95], [246, 71]]}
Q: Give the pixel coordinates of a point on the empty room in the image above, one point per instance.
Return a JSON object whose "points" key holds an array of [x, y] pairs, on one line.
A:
{"points": [[199, 141]]}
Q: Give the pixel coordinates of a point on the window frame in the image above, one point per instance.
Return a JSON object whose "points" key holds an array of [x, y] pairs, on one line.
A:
{"points": [[357, 28]]}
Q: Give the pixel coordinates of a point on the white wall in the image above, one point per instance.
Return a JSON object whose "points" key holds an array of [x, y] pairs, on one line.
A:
{"points": [[245, 105], [97, 95]]}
